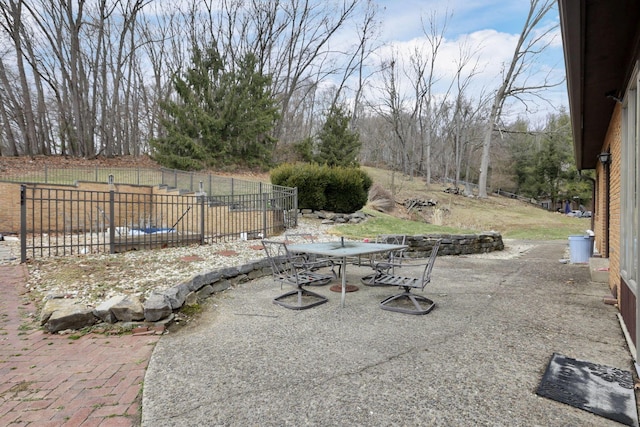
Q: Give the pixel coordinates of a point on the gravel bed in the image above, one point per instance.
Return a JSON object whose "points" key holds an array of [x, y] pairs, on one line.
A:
{"points": [[93, 278]]}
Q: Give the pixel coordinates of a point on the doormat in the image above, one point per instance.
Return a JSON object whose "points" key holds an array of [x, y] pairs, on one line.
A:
{"points": [[598, 389]]}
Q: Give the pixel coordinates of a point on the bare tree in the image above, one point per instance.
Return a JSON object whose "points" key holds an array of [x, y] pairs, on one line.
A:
{"points": [[86, 77], [426, 111], [8, 105], [356, 60], [12, 24], [515, 82], [465, 113], [392, 110]]}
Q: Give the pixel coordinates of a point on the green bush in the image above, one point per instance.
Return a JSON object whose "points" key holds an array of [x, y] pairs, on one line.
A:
{"points": [[335, 189], [308, 179]]}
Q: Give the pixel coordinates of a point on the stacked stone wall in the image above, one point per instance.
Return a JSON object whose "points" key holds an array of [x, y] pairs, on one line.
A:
{"points": [[454, 244]]}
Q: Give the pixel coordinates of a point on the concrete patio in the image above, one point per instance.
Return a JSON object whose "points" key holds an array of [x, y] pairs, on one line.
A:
{"points": [[476, 359]]}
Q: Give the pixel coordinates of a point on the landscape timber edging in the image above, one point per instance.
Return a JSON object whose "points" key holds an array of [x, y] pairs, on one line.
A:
{"points": [[204, 284]]}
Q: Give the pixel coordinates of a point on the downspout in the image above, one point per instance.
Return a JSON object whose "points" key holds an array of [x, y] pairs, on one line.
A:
{"points": [[607, 179]]}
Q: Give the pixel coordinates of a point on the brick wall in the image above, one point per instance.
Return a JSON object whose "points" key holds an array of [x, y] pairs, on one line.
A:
{"points": [[613, 143]]}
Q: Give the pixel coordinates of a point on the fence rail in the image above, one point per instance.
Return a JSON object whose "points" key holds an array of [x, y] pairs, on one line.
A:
{"points": [[180, 180], [58, 222]]}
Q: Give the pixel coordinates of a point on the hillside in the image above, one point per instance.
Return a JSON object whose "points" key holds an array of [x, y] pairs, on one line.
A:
{"points": [[511, 217]]}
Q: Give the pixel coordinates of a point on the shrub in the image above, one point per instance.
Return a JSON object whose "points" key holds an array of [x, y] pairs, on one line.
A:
{"points": [[308, 180], [347, 189], [337, 189]]}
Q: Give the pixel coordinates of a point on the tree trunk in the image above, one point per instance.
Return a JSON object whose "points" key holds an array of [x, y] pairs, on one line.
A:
{"points": [[30, 134], [518, 65]]}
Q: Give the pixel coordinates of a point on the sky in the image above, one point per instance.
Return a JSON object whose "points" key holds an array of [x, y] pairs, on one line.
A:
{"points": [[491, 28]]}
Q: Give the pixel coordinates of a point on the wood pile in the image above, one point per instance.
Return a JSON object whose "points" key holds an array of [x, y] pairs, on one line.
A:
{"points": [[418, 203]]}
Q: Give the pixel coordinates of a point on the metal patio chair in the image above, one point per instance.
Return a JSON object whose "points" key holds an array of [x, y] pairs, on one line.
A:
{"points": [[407, 302], [291, 270], [385, 263], [312, 261]]}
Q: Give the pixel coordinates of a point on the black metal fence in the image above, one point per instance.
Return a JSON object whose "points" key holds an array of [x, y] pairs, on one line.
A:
{"points": [[58, 222], [182, 180]]}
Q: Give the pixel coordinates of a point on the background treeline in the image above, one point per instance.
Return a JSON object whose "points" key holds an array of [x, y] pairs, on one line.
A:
{"points": [[86, 78]]}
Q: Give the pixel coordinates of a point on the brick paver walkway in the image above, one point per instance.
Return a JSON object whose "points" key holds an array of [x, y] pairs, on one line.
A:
{"points": [[56, 380]]}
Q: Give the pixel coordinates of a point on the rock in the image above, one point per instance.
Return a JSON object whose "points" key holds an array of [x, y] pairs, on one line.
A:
{"points": [[177, 294], [103, 311], [205, 292], [128, 309], [191, 299], [220, 286], [51, 305], [229, 272], [244, 269], [204, 278], [166, 321], [240, 278], [359, 214], [64, 314], [156, 307], [53, 296]]}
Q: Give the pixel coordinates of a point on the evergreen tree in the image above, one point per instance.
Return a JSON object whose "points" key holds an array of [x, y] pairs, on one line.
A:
{"points": [[220, 116], [338, 145], [546, 169]]}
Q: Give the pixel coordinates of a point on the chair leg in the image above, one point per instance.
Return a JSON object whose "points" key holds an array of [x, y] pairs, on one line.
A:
{"points": [[422, 305], [317, 299]]}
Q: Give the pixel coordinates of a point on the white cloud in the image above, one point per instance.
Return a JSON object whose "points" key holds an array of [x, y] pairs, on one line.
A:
{"points": [[488, 48], [490, 28]]}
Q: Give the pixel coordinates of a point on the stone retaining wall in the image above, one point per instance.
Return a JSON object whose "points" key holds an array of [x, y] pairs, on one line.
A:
{"points": [[454, 244], [420, 245], [60, 314]]}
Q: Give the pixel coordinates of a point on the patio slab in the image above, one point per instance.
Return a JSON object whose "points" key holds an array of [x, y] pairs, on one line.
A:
{"points": [[476, 359]]}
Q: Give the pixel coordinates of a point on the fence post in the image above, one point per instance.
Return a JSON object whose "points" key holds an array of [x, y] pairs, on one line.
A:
{"points": [[112, 230], [23, 223], [295, 206], [201, 199], [46, 174], [264, 214]]}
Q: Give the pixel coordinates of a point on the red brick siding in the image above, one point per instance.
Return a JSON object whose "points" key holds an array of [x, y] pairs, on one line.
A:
{"points": [[613, 143]]}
